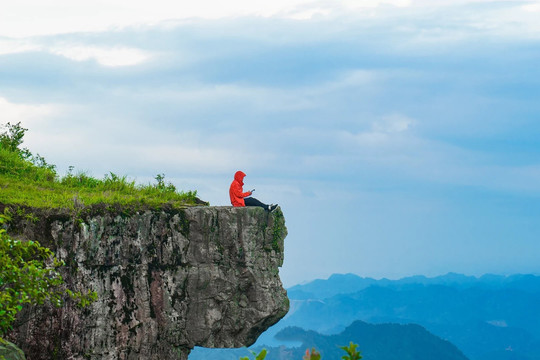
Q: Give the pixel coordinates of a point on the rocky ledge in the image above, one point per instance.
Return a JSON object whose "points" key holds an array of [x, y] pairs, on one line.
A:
{"points": [[166, 281]]}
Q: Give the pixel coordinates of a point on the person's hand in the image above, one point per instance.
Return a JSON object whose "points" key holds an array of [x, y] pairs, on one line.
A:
{"points": [[252, 191]]}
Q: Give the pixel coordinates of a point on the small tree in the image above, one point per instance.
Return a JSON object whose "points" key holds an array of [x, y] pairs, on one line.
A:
{"points": [[12, 137]]}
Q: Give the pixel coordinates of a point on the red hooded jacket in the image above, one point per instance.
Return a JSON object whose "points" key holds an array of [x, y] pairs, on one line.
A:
{"points": [[236, 192]]}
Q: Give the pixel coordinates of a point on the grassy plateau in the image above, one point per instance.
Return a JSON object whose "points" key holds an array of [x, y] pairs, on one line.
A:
{"points": [[28, 180]]}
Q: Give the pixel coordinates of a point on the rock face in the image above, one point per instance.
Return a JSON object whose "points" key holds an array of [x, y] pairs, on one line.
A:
{"points": [[166, 281]]}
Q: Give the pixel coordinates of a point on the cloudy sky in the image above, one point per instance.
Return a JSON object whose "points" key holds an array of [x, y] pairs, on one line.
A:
{"points": [[400, 137]]}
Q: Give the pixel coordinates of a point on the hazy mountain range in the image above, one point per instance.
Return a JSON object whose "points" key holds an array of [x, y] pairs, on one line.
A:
{"points": [[491, 317], [376, 342]]}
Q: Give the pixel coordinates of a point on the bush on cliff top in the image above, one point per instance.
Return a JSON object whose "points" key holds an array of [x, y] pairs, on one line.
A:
{"points": [[27, 179]]}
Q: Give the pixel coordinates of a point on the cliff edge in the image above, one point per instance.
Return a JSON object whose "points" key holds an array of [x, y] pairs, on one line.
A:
{"points": [[166, 281]]}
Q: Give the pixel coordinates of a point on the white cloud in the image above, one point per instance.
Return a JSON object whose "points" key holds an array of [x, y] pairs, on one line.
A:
{"points": [[207, 159], [309, 14], [24, 113], [354, 4], [31, 17], [113, 56], [535, 7], [106, 56], [11, 46], [24, 18]]}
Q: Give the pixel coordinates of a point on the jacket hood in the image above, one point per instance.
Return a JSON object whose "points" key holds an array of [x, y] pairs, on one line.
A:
{"points": [[239, 176]]}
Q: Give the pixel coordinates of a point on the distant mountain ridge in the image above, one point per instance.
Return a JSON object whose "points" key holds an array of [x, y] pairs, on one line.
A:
{"points": [[376, 341], [351, 283], [491, 317]]}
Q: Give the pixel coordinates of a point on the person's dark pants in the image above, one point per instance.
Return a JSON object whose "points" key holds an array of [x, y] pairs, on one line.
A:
{"points": [[249, 201]]}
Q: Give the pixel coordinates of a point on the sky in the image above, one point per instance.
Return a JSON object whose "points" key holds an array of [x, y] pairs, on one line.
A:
{"points": [[399, 137]]}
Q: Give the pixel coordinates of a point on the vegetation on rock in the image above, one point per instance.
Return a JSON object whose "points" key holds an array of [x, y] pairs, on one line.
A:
{"points": [[29, 272], [29, 275], [29, 180]]}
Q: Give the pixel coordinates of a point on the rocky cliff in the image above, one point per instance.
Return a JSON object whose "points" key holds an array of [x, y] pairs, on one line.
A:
{"points": [[166, 281]]}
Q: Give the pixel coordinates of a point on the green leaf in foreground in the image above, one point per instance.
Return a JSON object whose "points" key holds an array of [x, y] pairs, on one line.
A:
{"points": [[352, 353], [259, 356]]}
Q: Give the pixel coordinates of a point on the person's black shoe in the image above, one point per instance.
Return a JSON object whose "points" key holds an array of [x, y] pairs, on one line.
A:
{"points": [[273, 207]]}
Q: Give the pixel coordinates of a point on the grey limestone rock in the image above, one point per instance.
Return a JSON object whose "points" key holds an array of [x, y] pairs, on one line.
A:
{"points": [[166, 281]]}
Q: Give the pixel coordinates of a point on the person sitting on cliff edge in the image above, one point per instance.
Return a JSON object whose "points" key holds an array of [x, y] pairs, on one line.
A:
{"points": [[241, 198]]}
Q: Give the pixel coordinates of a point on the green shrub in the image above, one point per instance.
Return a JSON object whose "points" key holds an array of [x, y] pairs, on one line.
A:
{"points": [[29, 275]]}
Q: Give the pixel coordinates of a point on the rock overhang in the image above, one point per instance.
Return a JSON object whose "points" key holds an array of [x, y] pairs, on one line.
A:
{"points": [[167, 280]]}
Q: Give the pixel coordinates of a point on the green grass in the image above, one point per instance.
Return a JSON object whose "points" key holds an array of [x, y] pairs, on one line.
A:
{"points": [[30, 181]]}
